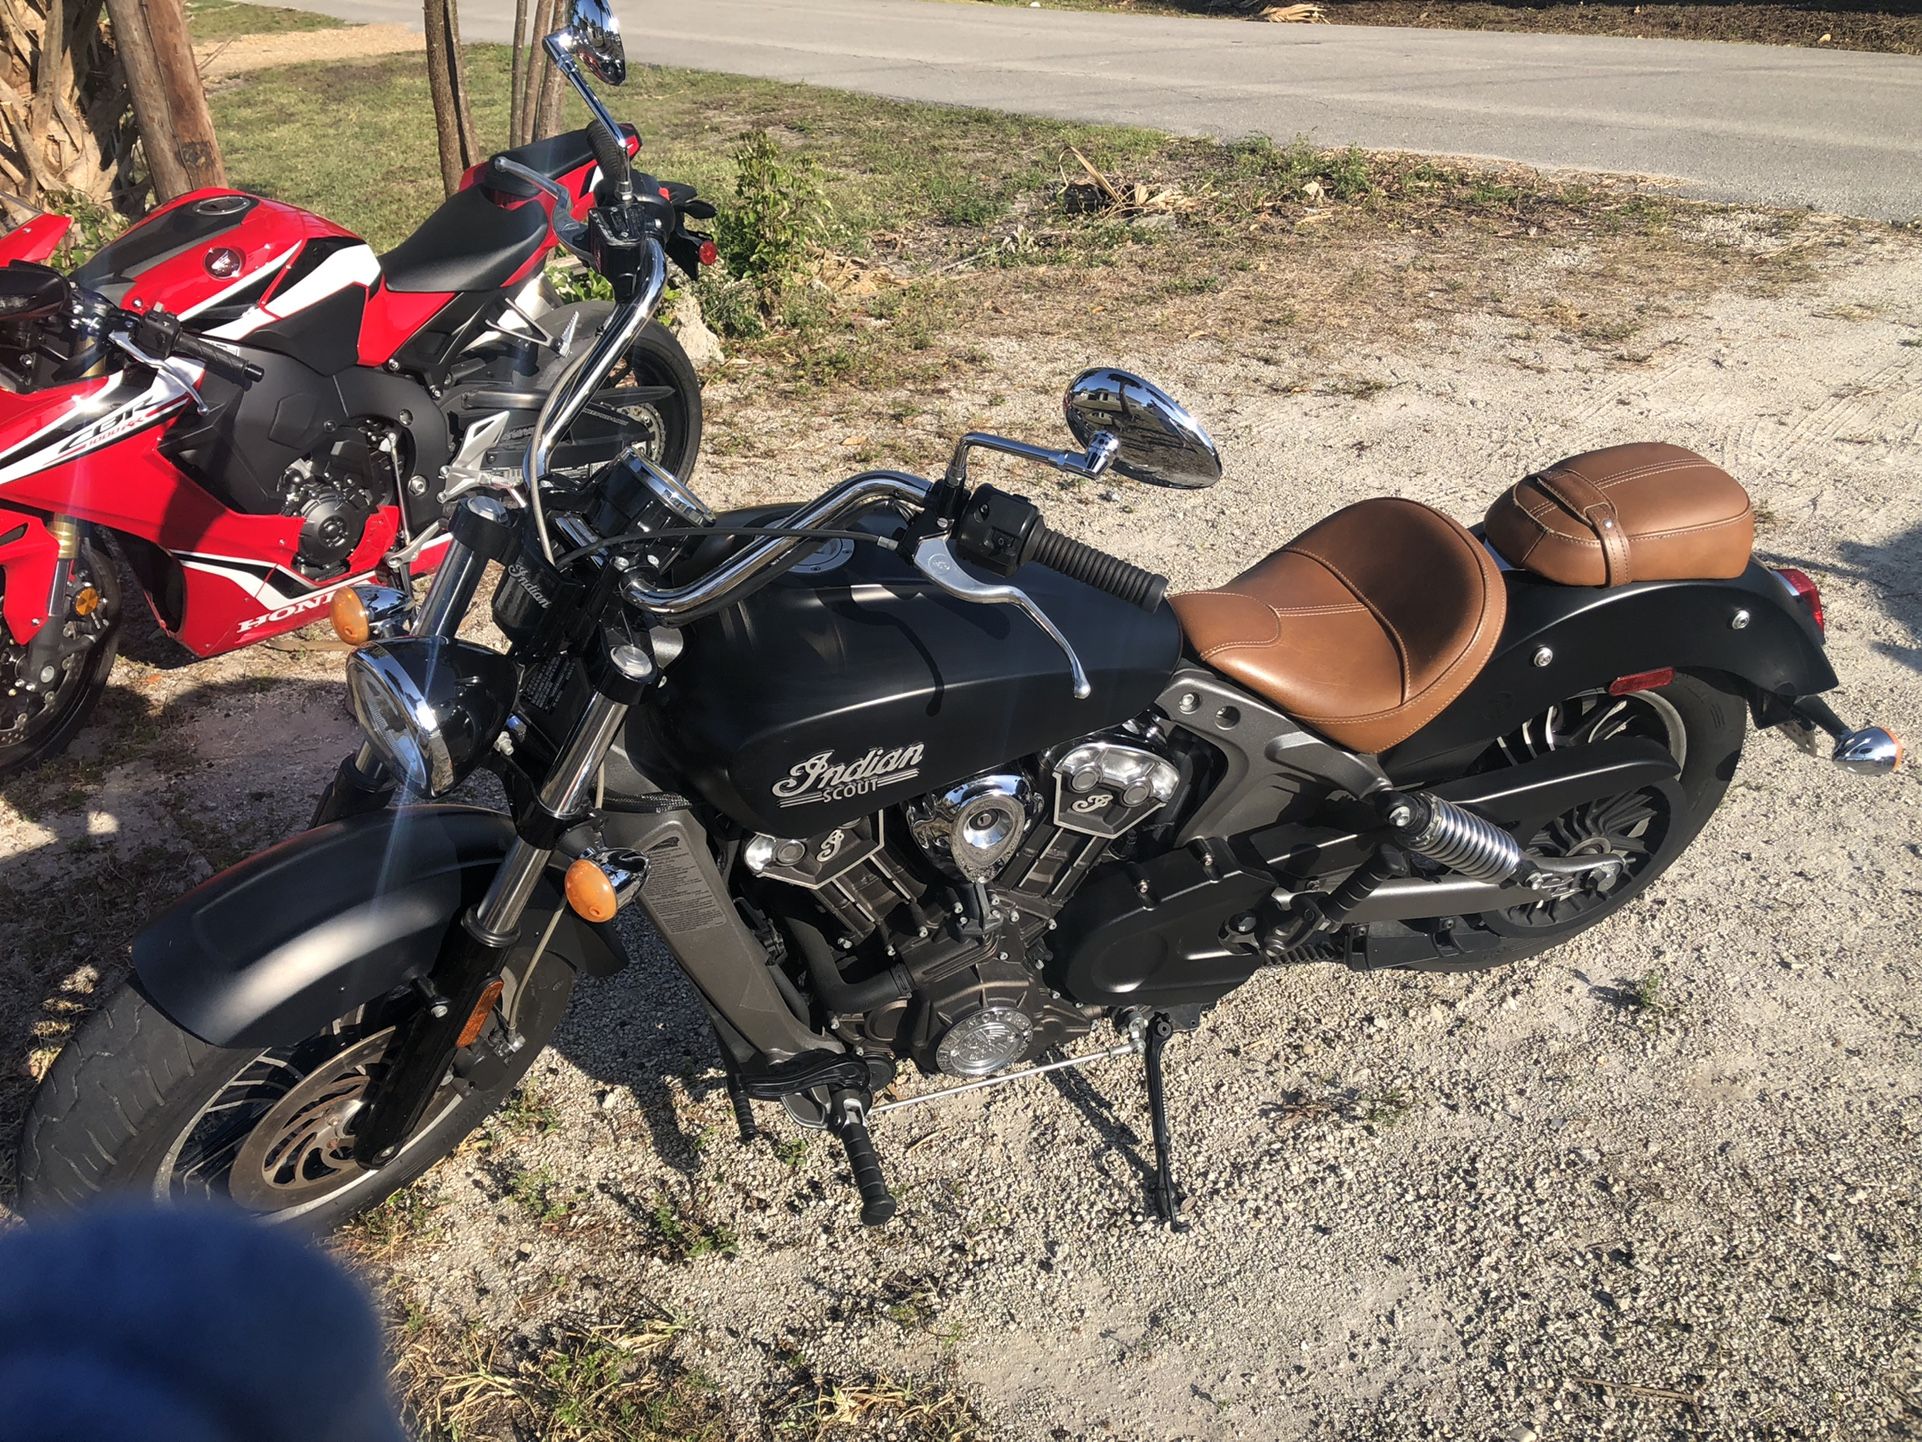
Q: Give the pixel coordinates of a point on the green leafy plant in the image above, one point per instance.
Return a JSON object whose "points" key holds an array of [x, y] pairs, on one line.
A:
{"points": [[770, 236]]}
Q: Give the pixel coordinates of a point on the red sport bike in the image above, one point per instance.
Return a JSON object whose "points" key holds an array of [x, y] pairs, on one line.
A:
{"points": [[248, 409]]}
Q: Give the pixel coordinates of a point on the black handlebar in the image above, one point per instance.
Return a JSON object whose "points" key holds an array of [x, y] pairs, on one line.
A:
{"points": [[1004, 532], [218, 359], [1094, 567]]}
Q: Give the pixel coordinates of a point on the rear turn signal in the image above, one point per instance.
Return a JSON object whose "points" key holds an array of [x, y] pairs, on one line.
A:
{"points": [[1806, 596]]}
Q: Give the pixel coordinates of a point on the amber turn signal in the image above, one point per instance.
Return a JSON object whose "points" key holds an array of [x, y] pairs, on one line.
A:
{"points": [[590, 892], [350, 619]]}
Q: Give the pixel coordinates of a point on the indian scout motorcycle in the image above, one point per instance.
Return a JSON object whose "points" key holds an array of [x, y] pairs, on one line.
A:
{"points": [[901, 775], [254, 410]]}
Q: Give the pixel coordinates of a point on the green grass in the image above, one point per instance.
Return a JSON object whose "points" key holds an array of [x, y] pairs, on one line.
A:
{"points": [[887, 165], [209, 20]]}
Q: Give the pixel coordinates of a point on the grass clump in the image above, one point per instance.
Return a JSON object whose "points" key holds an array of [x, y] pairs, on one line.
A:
{"points": [[685, 1233], [822, 1408], [600, 1382]]}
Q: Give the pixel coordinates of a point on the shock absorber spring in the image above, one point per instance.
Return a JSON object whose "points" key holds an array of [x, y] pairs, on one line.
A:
{"points": [[1453, 837]]}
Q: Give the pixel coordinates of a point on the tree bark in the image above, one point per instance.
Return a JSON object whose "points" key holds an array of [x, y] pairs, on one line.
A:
{"points": [[537, 73], [190, 132], [64, 128], [516, 91], [447, 82]]}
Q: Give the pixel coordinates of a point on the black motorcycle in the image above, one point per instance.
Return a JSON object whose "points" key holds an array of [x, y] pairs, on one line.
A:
{"points": [[900, 775]]}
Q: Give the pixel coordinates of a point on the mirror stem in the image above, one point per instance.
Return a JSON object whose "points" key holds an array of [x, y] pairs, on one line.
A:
{"points": [[561, 51], [1102, 449]]}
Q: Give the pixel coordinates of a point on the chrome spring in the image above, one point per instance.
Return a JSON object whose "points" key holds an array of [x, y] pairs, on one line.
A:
{"points": [[1463, 842]]}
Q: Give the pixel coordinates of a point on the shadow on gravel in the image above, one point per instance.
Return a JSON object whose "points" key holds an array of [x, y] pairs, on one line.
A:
{"points": [[1100, 1115], [1893, 569]]}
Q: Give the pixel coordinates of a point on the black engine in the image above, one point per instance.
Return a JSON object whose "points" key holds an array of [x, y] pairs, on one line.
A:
{"points": [[926, 931], [336, 489]]}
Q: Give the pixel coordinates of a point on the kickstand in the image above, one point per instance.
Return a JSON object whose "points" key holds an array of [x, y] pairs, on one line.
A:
{"points": [[1167, 1200]]}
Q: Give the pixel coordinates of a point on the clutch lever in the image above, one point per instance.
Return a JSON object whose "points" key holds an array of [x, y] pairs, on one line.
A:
{"points": [[568, 228], [934, 558]]}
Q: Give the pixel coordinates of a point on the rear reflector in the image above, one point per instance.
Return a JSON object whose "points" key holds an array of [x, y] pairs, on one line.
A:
{"points": [[1641, 681], [1803, 589]]}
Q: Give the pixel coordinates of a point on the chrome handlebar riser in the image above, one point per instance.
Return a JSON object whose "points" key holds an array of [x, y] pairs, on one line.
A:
{"points": [[853, 495], [579, 378]]}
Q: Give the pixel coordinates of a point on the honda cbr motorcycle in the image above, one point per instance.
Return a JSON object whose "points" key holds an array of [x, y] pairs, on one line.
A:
{"points": [[903, 777], [254, 411]]}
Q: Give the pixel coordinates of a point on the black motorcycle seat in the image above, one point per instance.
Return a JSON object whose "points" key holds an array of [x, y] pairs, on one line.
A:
{"points": [[470, 243]]}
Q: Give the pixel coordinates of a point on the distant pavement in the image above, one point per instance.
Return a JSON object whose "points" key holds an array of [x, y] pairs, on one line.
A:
{"points": [[1836, 130]]}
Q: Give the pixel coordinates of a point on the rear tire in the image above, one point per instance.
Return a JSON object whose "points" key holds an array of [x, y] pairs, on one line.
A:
{"points": [[1707, 723], [131, 1094]]}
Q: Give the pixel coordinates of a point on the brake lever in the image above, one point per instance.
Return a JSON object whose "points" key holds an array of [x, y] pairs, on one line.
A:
{"points": [[934, 558], [174, 370]]}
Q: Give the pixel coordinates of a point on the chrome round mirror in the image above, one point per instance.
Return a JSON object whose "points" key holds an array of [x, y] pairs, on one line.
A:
{"points": [[595, 36], [1157, 441]]}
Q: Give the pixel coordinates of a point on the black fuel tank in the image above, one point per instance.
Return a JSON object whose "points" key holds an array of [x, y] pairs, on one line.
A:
{"points": [[852, 683]]}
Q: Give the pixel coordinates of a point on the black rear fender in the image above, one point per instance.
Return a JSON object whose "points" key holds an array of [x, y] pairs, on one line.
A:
{"points": [[1592, 635], [274, 949]]}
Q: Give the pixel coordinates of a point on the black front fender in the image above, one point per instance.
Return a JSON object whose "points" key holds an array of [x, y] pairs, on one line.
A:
{"points": [[1592, 635], [271, 950]]}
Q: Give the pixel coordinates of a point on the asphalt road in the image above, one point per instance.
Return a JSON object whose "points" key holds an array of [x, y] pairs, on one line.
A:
{"points": [[1835, 130]]}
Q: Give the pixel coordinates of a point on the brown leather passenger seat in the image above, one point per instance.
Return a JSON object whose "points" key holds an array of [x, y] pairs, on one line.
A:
{"points": [[1646, 512], [1365, 626]]}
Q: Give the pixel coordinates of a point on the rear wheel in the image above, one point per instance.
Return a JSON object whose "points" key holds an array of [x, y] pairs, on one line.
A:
{"points": [[651, 401], [135, 1104], [1641, 832], [39, 716]]}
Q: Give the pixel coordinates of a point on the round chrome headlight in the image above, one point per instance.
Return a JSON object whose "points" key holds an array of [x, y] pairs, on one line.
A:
{"points": [[431, 707]]}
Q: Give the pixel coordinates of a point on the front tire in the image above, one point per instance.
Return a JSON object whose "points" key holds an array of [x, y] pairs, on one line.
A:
{"points": [[136, 1105]]}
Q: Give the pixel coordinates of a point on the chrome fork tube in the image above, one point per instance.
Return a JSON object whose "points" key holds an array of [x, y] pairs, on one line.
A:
{"points": [[498, 914]]}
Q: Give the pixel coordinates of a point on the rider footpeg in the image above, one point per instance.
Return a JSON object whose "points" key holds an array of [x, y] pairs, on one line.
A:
{"points": [[848, 1119]]}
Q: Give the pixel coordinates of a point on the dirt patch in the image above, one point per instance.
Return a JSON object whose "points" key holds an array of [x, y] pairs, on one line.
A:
{"points": [[1893, 28], [241, 54]]}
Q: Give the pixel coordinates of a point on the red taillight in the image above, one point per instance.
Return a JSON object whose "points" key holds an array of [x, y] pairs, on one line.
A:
{"points": [[1803, 589], [710, 253], [1641, 681]]}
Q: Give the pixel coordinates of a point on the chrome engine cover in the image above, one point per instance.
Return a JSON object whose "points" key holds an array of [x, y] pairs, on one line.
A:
{"points": [[974, 827]]}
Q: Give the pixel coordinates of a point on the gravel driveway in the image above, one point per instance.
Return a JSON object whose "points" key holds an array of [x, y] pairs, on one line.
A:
{"points": [[1661, 1183]]}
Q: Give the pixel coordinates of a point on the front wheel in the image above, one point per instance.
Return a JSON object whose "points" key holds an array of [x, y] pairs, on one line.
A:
{"points": [[1641, 833], [39, 716], [133, 1104]]}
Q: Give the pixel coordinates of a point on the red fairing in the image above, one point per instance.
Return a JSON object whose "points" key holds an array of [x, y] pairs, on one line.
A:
{"points": [[232, 240], [35, 239], [240, 582], [392, 319], [26, 560]]}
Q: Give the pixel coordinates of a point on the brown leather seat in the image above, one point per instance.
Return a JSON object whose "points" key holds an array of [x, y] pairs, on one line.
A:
{"points": [[1364, 627], [1646, 512]]}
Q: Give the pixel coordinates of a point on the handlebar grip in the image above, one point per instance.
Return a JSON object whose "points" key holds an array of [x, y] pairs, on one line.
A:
{"points": [[1093, 567], [611, 151], [218, 359], [877, 1202]]}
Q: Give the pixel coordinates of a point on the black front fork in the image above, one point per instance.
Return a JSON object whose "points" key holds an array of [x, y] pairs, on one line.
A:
{"points": [[462, 989], [483, 531]]}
